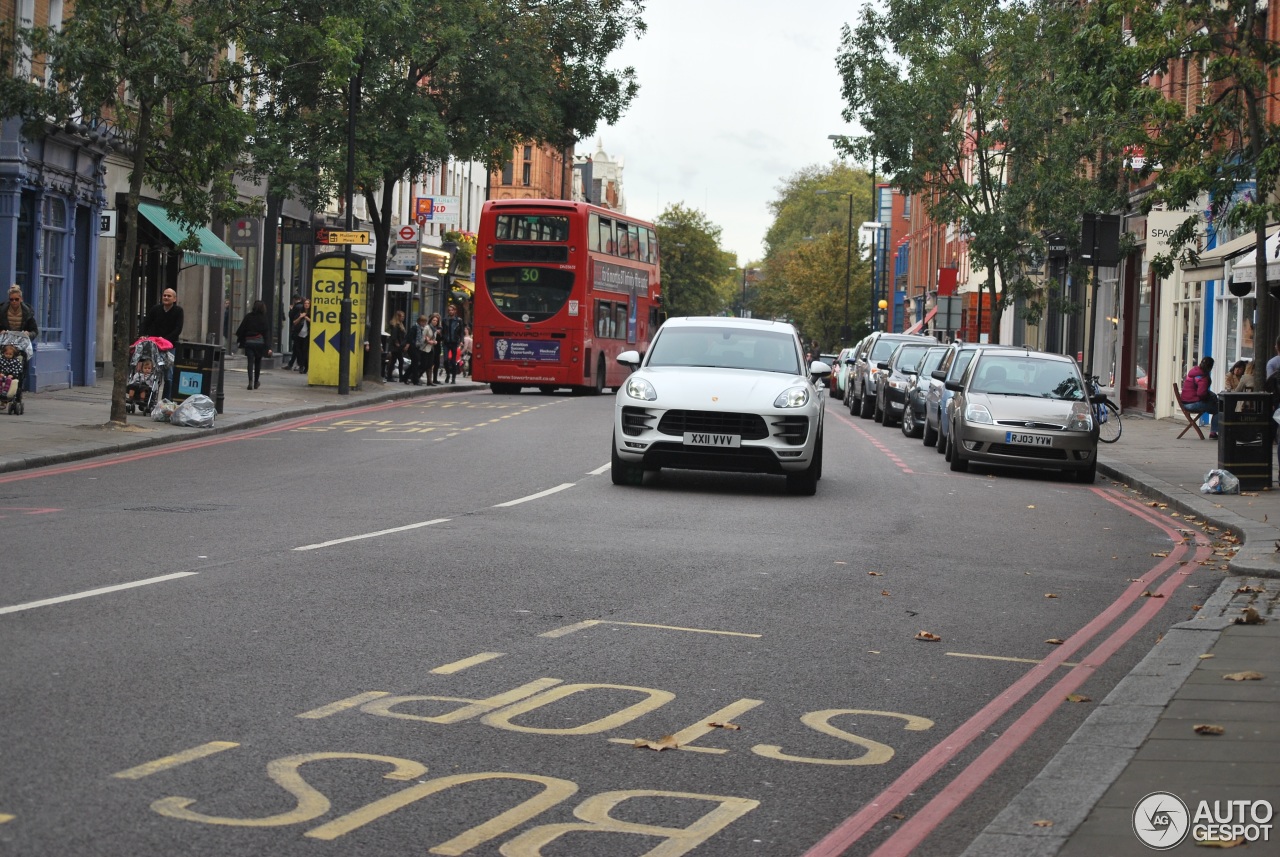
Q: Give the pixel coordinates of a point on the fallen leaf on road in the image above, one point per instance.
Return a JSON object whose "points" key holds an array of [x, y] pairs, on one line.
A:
{"points": [[666, 742], [1044, 822], [1206, 657], [884, 592], [927, 637], [1195, 608], [897, 816], [1207, 729], [1247, 675], [875, 574], [1031, 507], [1248, 588], [1078, 697], [1149, 594], [1054, 641], [873, 651], [1050, 595], [731, 726], [1161, 553]]}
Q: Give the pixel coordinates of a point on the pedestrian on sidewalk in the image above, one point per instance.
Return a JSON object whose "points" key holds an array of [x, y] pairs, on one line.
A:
{"points": [[417, 352], [164, 320], [301, 332], [433, 350], [20, 318], [466, 350], [397, 343], [1197, 397], [295, 310], [451, 332], [252, 335]]}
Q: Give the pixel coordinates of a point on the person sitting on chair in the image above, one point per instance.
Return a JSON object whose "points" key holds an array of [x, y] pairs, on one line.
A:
{"points": [[1197, 397]]}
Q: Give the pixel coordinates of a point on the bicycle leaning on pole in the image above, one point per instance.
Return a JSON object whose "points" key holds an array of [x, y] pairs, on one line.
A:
{"points": [[1105, 413]]}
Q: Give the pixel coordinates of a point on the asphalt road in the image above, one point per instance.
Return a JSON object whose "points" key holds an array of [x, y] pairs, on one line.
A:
{"points": [[436, 626]]}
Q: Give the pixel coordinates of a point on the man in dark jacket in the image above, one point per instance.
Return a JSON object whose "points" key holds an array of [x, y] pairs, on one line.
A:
{"points": [[451, 332], [295, 312], [165, 318]]}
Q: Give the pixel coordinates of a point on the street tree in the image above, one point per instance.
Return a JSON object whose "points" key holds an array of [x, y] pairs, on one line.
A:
{"points": [[462, 78], [963, 104], [1214, 143], [813, 252], [159, 77], [696, 272]]}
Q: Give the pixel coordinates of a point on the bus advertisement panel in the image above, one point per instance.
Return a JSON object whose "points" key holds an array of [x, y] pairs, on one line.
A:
{"points": [[562, 288]]}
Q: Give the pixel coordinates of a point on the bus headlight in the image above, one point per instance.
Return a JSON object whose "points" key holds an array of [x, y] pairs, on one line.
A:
{"points": [[639, 388]]}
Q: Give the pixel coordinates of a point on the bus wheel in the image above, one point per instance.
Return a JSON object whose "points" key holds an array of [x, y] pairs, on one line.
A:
{"points": [[504, 389], [599, 387]]}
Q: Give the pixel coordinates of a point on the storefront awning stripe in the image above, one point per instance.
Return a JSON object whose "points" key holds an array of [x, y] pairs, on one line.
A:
{"points": [[212, 252], [464, 286], [1211, 267]]}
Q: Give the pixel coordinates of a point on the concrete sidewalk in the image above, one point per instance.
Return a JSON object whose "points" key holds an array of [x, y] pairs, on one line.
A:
{"points": [[1138, 740]]}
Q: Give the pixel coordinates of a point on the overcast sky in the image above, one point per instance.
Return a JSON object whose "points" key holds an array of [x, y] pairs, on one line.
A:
{"points": [[735, 96]]}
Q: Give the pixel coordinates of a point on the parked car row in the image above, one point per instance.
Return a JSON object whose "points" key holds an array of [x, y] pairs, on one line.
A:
{"points": [[988, 404]]}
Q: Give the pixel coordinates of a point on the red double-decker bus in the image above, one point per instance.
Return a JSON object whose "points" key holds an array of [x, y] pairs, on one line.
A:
{"points": [[562, 288]]}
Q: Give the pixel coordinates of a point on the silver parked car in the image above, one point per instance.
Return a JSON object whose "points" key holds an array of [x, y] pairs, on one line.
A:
{"points": [[728, 394], [1022, 408]]}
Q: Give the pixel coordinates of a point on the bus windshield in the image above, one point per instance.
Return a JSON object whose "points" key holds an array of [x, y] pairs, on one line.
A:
{"points": [[531, 227], [528, 293]]}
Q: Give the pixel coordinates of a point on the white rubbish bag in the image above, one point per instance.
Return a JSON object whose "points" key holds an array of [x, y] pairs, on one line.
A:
{"points": [[195, 411], [1220, 482]]}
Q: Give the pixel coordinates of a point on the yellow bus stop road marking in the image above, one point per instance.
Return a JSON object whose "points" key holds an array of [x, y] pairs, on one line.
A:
{"points": [[459, 666], [591, 623], [175, 760]]}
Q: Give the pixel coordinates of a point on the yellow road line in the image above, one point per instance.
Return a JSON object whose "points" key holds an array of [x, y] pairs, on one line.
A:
{"points": [[343, 704], [459, 666], [175, 760]]}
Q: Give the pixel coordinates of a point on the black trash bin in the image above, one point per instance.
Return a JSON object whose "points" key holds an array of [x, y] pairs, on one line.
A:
{"points": [[1244, 443], [198, 370]]}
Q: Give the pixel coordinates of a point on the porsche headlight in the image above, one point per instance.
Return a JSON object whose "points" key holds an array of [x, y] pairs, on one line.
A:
{"points": [[796, 397], [639, 388], [977, 414]]}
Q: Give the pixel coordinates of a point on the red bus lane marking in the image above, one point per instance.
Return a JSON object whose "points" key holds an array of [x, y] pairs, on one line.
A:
{"points": [[889, 453], [856, 826]]}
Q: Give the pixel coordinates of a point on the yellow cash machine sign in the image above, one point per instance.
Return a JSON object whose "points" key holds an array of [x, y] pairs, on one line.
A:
{"points": [[328, 275]]}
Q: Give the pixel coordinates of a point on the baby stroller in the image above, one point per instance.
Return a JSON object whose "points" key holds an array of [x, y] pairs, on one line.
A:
{"points": [[15, 355], [146, 375]]}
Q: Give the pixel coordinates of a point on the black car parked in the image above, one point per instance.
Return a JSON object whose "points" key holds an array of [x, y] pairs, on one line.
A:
{"points": [[864, 376], [914, 414], [896, 375]]}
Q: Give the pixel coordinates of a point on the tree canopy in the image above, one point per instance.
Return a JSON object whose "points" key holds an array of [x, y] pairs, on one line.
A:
{"points": [[697, 274]]}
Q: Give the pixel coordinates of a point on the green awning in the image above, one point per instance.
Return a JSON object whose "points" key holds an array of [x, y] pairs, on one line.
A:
{"points": [[212, 252]]}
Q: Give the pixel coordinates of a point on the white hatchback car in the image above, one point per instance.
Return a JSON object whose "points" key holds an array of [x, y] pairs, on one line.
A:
{"points": [[726, 394]]}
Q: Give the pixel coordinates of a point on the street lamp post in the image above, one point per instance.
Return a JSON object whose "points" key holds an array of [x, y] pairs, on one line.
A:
{"points": [[742, 309], [845, 332]]}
